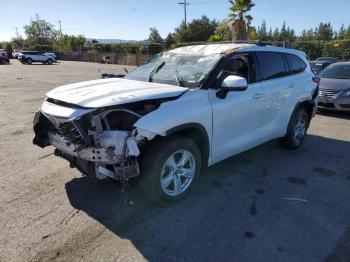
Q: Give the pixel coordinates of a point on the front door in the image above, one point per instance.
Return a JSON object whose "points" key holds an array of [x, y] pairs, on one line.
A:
{"points": [[237, 119]]}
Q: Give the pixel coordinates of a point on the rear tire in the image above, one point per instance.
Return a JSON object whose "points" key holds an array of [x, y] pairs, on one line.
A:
{"points": [[170, 168], [297, 129]]}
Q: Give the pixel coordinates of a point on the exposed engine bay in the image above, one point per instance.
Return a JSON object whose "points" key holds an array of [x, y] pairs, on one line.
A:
{"points": [[99, 142]]}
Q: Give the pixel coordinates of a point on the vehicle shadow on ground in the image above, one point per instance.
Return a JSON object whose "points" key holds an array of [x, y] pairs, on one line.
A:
{"points": [[236, 212], [40, 64], [340, 115]]}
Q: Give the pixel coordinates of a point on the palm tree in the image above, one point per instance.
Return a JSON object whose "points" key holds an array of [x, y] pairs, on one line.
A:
{"points": [[239, 19]]}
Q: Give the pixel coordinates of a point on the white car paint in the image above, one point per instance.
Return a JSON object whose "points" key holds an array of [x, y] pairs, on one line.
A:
{"points": [[239, 122], [112, 91]]}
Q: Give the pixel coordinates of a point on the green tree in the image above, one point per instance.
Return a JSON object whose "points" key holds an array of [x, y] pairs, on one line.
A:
{"points": [[262, 32], [270, 35], [223, 30], [169, 40], [252, 33], [239, 18], [342, 31], [283, 34], [154, 36], [40, 32], [17, 42], [197, 30], [347, 33], [324, 32], [276, 35], [80, 42]]}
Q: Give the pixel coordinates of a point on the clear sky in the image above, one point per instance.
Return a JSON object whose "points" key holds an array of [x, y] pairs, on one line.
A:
{"points": [[131, 19]]}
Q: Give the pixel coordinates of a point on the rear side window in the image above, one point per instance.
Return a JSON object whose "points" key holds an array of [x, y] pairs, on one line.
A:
{"points": [[272, 65], [337, 71], [295, 63]]}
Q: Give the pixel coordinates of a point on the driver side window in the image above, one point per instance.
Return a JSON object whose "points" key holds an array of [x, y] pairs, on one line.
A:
{"points": [[240, 65]]}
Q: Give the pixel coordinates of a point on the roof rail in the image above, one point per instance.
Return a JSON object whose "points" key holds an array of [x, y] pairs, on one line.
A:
{"points": [[285, 44], [256, 42]]}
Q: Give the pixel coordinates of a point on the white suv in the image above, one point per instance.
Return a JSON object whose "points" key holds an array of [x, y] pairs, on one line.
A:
{"points": [[28, 57], [179, 112]]}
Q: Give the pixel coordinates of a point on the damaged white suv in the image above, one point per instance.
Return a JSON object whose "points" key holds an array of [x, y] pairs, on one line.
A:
{"points": [[179, 112]]}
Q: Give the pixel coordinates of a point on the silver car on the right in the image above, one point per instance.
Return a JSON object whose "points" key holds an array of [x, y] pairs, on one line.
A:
{"points": [[334, 87]]}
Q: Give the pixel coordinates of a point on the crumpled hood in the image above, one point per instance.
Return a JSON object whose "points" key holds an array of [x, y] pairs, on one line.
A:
{"points": [[112, 91]]}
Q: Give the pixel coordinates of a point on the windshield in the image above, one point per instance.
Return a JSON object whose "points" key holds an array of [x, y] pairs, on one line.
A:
{"points": [[175, 69], [337, 71]]}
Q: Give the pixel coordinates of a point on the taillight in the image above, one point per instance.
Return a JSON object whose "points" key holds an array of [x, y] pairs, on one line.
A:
{"points": [[316, 79]]}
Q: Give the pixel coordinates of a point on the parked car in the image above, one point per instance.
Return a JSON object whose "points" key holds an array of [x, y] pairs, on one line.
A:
{"points": [[28, 57], [4, 59], [331, 60], [53, 55], [318, 66], [334, 87], [15, 53], [179, 112]]}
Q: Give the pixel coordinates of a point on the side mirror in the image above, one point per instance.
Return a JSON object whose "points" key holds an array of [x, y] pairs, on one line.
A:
{"points": [[232, 83]]}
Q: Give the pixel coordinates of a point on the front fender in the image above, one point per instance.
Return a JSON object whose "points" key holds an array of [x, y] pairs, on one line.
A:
{"points": [[192, 108]]}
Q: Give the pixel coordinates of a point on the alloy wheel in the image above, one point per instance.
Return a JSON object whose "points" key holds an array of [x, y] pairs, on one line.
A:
{"points": [[299, 129], [177, 173]]}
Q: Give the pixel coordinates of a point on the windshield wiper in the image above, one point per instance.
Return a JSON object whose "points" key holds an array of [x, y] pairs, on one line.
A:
{"points": [[155, 70], [180, 81]]}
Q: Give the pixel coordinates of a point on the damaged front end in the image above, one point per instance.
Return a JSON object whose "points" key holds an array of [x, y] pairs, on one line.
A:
{"points": [[99, 142]]}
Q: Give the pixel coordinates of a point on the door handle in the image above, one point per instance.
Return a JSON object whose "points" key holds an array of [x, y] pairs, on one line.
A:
{"points": [[258, 96], [292, 85]]}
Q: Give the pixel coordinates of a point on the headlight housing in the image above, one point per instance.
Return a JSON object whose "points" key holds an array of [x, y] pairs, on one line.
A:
{"points": [[346, 93]]}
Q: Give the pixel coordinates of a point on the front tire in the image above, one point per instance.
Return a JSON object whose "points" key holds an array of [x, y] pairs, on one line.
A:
{"points": [[49, 61], [170, 168], [297, 129], [29, 61]]}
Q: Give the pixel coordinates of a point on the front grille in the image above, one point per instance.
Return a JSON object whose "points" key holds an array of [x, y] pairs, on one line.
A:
{"points": [[328, 93], [69, 130], [66, 129]]}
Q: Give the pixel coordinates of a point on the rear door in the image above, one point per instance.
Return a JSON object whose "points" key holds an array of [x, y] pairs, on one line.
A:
{"points": [[237, 119], [273, 78]]}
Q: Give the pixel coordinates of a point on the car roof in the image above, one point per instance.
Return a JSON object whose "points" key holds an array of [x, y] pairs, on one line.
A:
{"points": [[340, 63], [212, 49]]}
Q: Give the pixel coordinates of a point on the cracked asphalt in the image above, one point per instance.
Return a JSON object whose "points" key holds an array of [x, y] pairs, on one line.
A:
{"points": [[267, 204]]}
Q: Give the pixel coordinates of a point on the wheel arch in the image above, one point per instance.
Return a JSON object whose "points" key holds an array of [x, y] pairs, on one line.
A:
{"points": [[198, 134], [194, 131], [308, 106]]}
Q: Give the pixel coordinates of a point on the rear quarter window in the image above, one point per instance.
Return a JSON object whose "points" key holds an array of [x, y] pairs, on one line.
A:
{"points": [[272, 65], [295, 63]]}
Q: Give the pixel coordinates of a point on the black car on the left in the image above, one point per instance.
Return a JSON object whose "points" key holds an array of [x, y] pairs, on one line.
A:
{"points": [[4, 59]]}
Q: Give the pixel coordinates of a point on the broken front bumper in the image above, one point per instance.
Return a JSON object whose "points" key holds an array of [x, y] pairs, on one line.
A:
{"points": [[111, 153]]}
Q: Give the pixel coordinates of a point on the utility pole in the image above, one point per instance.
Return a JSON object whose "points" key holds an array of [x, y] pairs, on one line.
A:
{"points": [[17, 35], [185, 4], [59, 22]]}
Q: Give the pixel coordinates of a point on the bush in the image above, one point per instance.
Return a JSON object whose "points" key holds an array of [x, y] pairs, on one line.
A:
{"points": [[155, 48]]}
